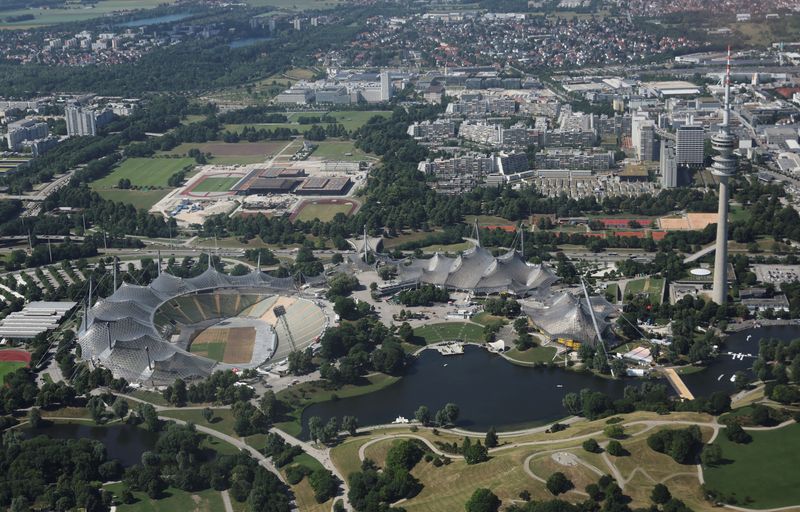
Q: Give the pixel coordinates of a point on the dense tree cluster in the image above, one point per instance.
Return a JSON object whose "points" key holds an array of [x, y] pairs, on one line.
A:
{"points": [[503, 306], [179, 460], [372, 490], [649, 396], [683, 445], [424, 295], [220, 387], [61, 473]]}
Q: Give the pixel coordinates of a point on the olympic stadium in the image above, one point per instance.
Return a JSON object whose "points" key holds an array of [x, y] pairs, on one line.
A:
{"points": [[188, 328]]}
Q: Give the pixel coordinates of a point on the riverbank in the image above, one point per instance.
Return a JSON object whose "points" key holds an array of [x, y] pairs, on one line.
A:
{"points": [[301, 396], [755, 324]]}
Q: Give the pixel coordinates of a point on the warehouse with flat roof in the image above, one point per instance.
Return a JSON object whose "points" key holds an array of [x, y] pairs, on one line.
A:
{"points": [[324, 186]]}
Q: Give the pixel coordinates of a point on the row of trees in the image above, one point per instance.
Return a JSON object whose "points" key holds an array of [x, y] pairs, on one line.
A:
{"points": [[649, 396]]}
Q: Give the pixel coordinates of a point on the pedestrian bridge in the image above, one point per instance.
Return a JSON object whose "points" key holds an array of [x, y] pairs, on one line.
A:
{"points": [[678, 385]]}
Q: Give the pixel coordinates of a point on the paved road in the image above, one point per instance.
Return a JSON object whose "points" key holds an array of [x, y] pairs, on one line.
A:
{"points": [[226, 500]]}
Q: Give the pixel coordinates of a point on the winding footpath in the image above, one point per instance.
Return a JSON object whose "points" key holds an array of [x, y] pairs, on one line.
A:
{"points": [[321, 455]]}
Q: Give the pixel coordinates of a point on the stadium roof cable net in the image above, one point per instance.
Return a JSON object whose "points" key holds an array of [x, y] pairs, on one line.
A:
{"points": [[137, 350]]}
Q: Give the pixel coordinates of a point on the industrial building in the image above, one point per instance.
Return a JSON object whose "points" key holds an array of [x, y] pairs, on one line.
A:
{"points": [[37, 317], [269, 181], [324, 186]]}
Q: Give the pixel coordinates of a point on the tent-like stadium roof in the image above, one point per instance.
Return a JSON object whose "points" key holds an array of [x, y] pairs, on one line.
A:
{"points": [[119, 331], [478, 271], [569, 317]]}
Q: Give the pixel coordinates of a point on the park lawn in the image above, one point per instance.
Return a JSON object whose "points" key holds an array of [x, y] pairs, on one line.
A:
{"points": [[66, 412], [377, 452], [193, 118], [532, 355], [345, 455], [301, 128], [7, 367], [487, 220], [220, 446], [450, 331], [303, 492], [149, 396], [766, 470], [653, 287], [452, 248], [174, 499], [215, 185], [739, 214], [580, 476], [55, 15], [222, 421], [304, 496], [302, 395], [337, 150], [612, 290], [657, 465], [485, 318], [447, 488], [236, 160], [140, 199], [296, 5], [322, 211], [355, 119], [402, 238], [143, 172]]}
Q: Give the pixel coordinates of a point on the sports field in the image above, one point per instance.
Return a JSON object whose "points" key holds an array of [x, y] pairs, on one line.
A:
{"points": [[216, 184], [653, 287], [343, 151], [233, 345], [143, 172], [763, 473], [324, 210], [450, 331], [354, 119], [140, 199], [11, 360], [350, 119]]}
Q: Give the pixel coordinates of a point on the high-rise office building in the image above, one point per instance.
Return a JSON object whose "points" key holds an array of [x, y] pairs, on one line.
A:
{"points": [[724, 167], [643, 135], [668, 165], [689, 149], [386, 86]]}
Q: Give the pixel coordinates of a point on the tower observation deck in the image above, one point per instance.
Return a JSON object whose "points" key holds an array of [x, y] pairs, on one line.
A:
{"points": [[724, 166]]}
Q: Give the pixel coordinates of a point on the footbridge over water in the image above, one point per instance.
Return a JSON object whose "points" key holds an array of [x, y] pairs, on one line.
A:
{"points": [[678, 385]]}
